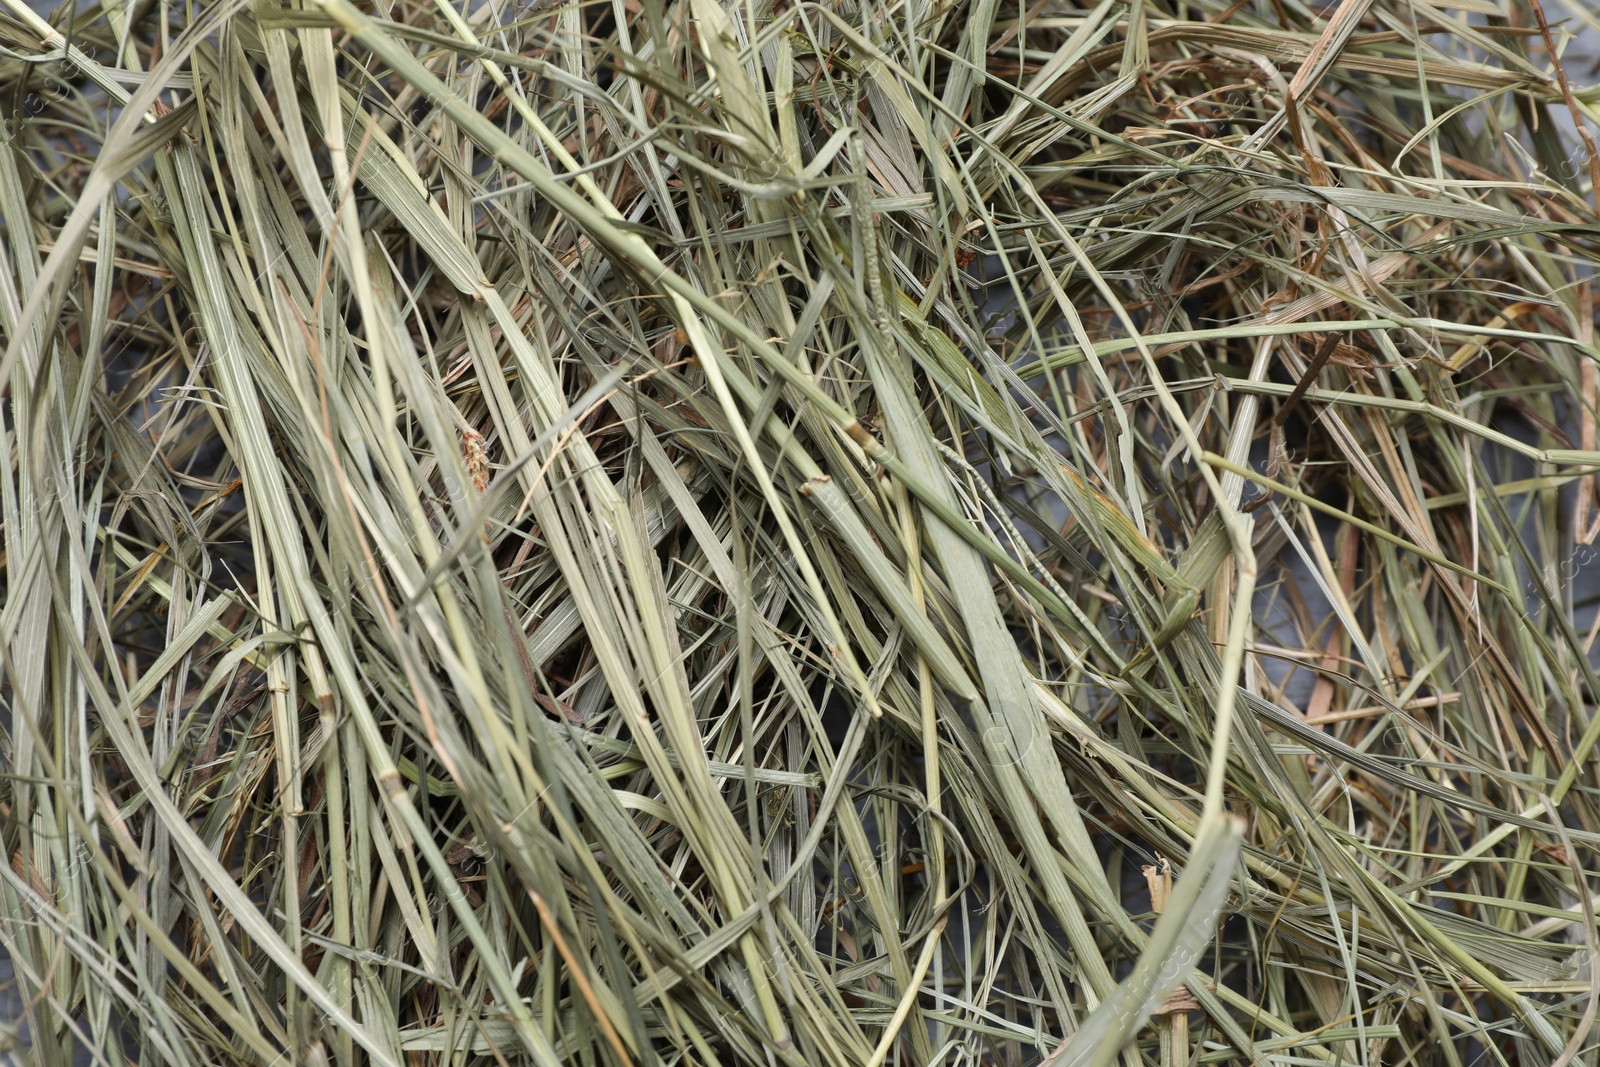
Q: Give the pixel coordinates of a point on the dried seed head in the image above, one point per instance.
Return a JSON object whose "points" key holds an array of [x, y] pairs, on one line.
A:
{"points": [[477, 458]]}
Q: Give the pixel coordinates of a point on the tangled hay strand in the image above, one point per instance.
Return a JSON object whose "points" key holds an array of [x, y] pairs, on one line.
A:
{"points": [[934, 532]]}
